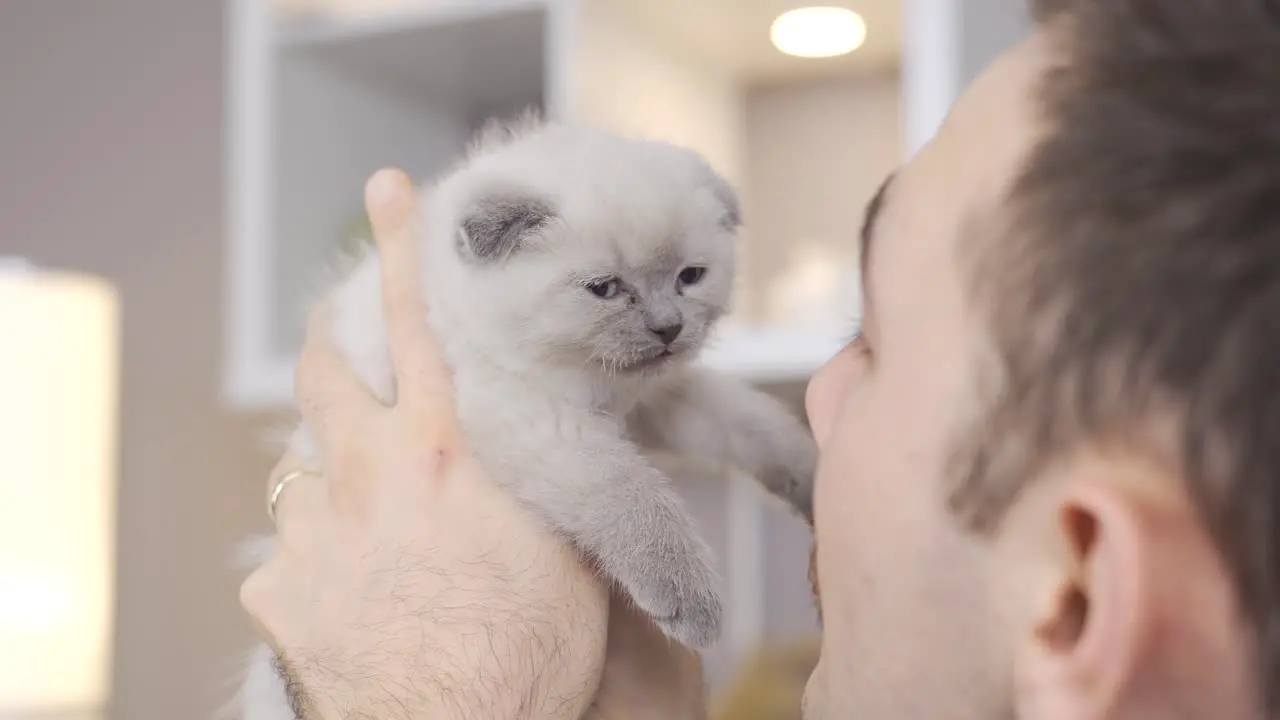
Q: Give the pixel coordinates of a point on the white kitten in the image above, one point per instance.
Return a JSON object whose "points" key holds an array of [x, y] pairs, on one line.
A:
{"points": [[572, 275]]}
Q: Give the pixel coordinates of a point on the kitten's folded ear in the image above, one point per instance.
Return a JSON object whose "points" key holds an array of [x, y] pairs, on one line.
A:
{"points": [[728, 197], [495, 226]]}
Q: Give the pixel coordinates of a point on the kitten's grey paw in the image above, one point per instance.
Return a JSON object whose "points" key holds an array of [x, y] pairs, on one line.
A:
{"points": [[802, 501], [794, 486], [801, 495], [680, 593]]}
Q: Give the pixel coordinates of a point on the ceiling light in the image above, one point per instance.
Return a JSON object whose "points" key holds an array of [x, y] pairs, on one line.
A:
{"points": [[814, 32]]}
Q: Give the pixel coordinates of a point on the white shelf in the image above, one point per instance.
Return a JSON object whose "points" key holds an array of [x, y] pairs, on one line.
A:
{"points": [[765, 356], [474, 56], [772, 355], [318, 30]]}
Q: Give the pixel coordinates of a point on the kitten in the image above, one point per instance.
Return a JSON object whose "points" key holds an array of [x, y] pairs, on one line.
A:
{"points": [[572, 275]]}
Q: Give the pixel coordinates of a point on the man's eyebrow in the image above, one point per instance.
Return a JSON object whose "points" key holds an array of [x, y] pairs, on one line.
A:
{"points": [[869, 221]]}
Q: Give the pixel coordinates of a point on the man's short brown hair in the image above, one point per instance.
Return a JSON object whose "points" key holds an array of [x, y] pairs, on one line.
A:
{"points": [[1141, 277]]}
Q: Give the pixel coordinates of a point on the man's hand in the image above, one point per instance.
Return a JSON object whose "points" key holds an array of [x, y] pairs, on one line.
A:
{"points": [[406, 584], [646, 675]]}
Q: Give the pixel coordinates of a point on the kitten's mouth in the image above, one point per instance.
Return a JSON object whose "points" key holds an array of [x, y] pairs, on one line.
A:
{"points": [[652, 361]]}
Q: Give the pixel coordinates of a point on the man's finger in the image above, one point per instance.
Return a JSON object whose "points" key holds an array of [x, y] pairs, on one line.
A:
{"points": [[296, 489], [332, 400], [290, 462], [267, 596], [421, 373]]}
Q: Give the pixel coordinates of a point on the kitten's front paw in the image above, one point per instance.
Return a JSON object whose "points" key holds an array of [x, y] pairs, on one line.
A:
{"points": [[681, 594], [794, 486], [801, 499]]}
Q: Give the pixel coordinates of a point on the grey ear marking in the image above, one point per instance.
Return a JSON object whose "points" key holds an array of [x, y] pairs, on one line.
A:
{"points": [[732, 219], [728, 197], [493, 228]]}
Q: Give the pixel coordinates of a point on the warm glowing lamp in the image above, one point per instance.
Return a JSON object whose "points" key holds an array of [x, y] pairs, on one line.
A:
{"points": [[816, 32], [59, 367]]}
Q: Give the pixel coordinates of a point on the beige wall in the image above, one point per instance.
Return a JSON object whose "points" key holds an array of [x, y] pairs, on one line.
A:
{"points": [[632, 82], [816, 153], [111, 162]]}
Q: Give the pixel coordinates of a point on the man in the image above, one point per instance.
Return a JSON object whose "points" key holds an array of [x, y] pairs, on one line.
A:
{"points": [[1050, 462]]}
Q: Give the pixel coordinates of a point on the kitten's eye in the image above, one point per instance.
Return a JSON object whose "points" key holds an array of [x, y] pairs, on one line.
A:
{"points": [[691, 275], [607, 289]]}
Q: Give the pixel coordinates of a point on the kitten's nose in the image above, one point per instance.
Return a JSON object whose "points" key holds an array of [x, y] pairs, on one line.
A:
{"points": [[667, 333]]}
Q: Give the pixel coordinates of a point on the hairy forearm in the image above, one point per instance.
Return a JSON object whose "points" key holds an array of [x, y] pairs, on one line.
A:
{"points": [[491, 673], [520, 696]]}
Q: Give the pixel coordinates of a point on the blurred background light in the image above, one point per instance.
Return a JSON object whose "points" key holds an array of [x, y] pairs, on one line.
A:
{"points": [[816, 32], [58, 408]]}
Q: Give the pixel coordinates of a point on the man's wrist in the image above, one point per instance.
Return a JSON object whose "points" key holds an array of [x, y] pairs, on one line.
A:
{"points": [[493, 675]]}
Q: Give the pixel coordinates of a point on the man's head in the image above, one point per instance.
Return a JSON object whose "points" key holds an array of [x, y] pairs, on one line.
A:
{"points": [[1051, 460]]}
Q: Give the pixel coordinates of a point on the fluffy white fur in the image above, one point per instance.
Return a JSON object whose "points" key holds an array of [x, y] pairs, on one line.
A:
{"points": [[556, 259]]}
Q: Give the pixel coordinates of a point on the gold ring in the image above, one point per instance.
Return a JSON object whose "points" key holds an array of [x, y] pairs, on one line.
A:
{"points": [[276, 489]]}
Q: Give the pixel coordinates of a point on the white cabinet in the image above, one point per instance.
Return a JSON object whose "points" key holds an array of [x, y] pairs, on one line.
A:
{"points": [[316, 104]]}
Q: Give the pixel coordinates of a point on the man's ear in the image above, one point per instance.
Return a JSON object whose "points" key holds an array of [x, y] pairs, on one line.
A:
{"points": [[1138, 592], [495, 226], [1089, 633]]}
